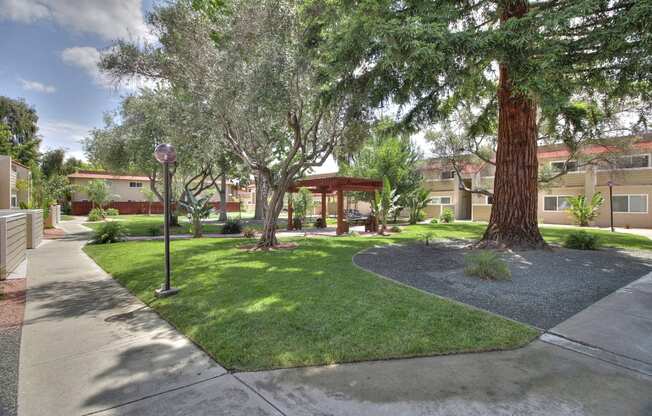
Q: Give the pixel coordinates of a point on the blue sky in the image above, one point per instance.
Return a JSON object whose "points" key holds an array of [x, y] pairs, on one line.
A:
{"points": [[49, 49]]}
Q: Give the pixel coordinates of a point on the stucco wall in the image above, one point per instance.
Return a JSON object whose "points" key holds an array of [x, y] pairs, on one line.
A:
{"points": [[119, 190], [481, 212]]}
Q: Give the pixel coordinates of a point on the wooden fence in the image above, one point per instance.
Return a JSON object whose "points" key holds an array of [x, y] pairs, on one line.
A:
{"points": [[138, 207]]}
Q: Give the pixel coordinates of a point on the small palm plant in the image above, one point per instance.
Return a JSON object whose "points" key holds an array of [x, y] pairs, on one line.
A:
{"points": [[417, 201], [584, 211], [384, 204], [197, 209]]}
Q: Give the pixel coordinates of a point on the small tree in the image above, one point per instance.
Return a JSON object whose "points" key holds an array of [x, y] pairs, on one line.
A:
{"points": [[303, 202], [584, 211], [416, 202], [384, 204], [197, 209], [97, 192], [150, 196]]}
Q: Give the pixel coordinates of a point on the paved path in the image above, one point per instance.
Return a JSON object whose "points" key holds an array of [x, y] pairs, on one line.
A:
{"points": [[89, 346]]}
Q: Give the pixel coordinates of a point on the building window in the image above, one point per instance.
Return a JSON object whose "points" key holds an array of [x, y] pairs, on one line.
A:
{"points": [[448, 174], [568, 166], [441, 200], [489, 200], [555, 203], [630, 204], [135, 184], [633, 161]]}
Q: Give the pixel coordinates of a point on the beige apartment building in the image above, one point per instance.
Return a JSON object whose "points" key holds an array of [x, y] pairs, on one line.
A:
{"points": [[15, 183], [630, 175]]}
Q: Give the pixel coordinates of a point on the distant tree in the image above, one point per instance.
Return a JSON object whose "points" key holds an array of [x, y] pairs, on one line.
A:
{"points": [[384, 204], [416, 202], [98, 193], [150, 197], [302, 202], [21, 121], [386, 155], [52, 162]]}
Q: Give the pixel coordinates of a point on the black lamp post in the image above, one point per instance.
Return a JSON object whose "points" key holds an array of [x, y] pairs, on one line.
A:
{"points": [[611, 205], [166, 155]]}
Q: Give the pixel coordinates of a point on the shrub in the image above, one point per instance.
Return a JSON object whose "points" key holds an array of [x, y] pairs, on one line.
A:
{"points": [[395, 229], [427, 237], [584, 211], [434, 221], [320, 223], [109, 232], [249, 232], [232, 227], [154, 230], [447, 216], [297, 223], [581, 240], [486, 265], [96, 214], [111, 212]]}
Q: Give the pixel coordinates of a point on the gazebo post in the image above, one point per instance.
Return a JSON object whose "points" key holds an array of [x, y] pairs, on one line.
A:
{"points": [[290, 222], [323, 207], [340, 212]]}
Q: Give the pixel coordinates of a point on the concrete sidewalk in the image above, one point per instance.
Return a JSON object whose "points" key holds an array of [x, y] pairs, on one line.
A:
{"points": [[88, 346]]}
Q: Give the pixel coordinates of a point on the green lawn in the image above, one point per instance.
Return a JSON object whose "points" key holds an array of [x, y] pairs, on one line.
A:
{"points": [[307, 306], [311, 305]]}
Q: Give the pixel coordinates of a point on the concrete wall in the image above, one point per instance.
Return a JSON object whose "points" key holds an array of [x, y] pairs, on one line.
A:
{"points": [[12, 242], [33, 225]]}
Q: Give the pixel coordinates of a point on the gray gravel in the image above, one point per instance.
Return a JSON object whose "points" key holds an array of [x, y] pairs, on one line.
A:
{"points": [[546, 288], [9, 350]]}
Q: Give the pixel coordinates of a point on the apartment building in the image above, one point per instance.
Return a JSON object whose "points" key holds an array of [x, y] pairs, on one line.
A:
{"points": [[15, 183], [629, 171], [126, 193]]}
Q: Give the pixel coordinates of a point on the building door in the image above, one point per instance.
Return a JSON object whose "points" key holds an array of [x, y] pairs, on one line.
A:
{"points": [[464, 211]]}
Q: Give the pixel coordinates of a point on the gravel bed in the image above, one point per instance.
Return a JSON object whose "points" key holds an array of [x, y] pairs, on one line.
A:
{"points": [[546, 287]]}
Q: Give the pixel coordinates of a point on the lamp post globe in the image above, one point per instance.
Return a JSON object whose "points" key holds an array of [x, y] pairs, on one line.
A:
{"points": [[166, 155]]}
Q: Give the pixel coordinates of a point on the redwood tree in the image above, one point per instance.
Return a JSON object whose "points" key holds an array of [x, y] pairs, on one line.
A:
{"points": [[430, 57]]}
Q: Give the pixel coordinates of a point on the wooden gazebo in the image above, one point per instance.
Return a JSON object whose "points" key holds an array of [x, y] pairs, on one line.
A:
{"points": [[329, 184]]}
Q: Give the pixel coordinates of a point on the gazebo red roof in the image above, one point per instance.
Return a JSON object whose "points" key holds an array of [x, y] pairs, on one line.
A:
{"points": [[330, 183]]}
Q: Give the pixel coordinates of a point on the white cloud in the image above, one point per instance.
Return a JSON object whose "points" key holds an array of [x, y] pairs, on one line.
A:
{"points": [[110, 19], [87, 58], [37, 86], [63, 134]]}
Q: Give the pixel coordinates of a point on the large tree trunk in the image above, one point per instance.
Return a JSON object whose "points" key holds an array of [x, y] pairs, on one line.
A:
{"points": [[513, 222], [222, 192], [261, 194], [268, 237]]}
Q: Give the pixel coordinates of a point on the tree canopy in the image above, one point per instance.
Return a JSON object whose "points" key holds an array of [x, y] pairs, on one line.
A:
{"points": [[18, 130]]}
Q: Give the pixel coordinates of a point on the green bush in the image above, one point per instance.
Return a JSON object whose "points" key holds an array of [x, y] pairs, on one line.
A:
{"points": [[427, 237], [434, 221], [96, 214], [154, 230], [395, 229], [487, 265], [249, 232], [581, 240], [447, 216], [112, 212], [320, 223], [232, 227], [109, 232]]}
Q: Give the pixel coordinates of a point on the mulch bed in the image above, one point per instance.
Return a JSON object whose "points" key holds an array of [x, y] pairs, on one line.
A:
{"points": [[546, 288], [12, 302], [12, 306]]}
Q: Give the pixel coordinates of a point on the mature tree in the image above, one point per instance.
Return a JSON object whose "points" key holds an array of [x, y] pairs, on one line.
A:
{"points": [[52, 162], [386, 155], [248, 64], [22, 141], [430, 57]]}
